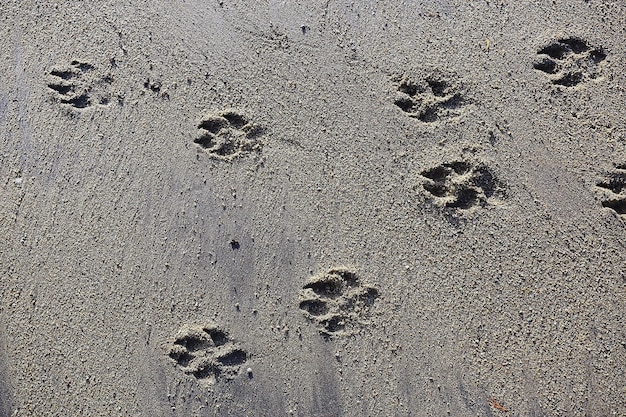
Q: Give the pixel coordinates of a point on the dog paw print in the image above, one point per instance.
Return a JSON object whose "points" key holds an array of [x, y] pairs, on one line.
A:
{"points": [[227, 135], [613, 187], [432, 100], [207, 353], [155, 86], [79, 85], [336, 300], [570, 61], [461, 185]]}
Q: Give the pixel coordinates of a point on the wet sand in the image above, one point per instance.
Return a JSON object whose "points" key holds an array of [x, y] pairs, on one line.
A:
{"points": [[230, 208]]}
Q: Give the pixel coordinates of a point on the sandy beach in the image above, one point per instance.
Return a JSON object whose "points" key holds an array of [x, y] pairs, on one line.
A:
{"points": [[321, 208]]}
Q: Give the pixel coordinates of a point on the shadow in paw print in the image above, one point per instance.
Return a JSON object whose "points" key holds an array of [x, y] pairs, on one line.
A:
{"points": [[336, 300], [193, 342], [227, 135], [461, 185], [570, 61], [218, 337], [314, 307], [334, 285], [614, 190], [234, 358], [434, 99], [207, 353]]}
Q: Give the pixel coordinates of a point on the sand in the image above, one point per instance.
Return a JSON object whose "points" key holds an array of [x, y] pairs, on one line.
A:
{"points": [[322, 208]]}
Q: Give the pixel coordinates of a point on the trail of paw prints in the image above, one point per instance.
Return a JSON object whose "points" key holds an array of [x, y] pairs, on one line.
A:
{"points": [[227, 135], [80, 86], [570, 61], [462, 185], [207, 353], [613, 187], [336, 301], [431, 100]]}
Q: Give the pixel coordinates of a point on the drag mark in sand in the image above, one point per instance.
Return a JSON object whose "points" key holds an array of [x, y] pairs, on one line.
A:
{"points": [[461, 185], [207, 353], [570, 61], [434, 99], [227, 135], [336, 300]]}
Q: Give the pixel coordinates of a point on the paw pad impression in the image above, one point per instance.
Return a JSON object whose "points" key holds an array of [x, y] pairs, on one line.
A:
{"points": [[227, 135], [434, 99], [336, 300], [80, 86], [461, 185], [207, 352], [614, 189], [570, 61]]}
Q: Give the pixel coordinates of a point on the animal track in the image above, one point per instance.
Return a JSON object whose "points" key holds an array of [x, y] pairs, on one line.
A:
{"points": [[206, 352], [227, 135], [570, 61], [79, 86], [614, 188], [433, 100], [461, 185], [336, 300]]}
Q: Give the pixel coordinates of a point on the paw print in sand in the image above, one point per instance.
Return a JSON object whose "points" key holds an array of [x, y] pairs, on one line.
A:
{"points": [[461, 185], [336, 300], [570, 61], [207, 353], [80, 86], [227, 135], [613, 187], [432, 100]]}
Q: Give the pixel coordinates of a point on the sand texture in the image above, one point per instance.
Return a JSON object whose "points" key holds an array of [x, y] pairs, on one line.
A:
{"points": [[313, 208]]}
